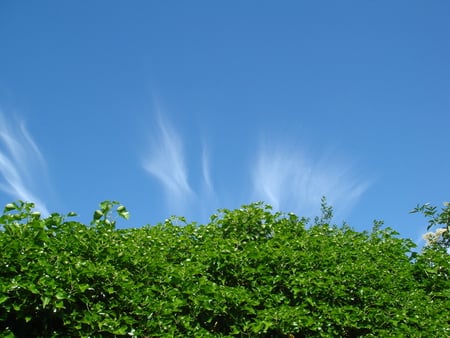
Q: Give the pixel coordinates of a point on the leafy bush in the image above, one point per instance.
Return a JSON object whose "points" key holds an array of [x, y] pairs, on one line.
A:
{"points": [[439, 220], [247, 273]]}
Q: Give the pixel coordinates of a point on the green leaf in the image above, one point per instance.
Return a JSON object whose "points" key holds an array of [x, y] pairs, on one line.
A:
{"points": [[3, 299], [123, 212], [45, 301], [36, 214], [9, 207], [60, 295], [121, 330], [83, 287], [98, 214]]}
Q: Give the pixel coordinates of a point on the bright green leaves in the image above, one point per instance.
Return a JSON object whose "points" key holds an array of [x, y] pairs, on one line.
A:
{"points": [[252, 222], [248, 273], [123, 212], [104, 214], [20, 207], [440, 238], [97, 215], [435, 217], [17, 213], [3, 299], [9, 207]]}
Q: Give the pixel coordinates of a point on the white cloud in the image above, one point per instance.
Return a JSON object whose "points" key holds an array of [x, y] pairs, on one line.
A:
{"points": [[290, 180], [20, 162], [206, 171], [165, 162], [285, 177]]}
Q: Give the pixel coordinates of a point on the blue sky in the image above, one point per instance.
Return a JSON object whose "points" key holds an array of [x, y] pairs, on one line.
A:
{"points": [[184, 107]]}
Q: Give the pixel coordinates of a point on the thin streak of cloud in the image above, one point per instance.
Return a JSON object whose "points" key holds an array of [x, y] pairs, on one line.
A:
{"points": [[206, 171], [289, 179], [20, 161], [166, 163]]}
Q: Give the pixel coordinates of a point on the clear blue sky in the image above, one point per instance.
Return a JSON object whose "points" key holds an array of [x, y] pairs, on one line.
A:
{"points": [[183, 107]]}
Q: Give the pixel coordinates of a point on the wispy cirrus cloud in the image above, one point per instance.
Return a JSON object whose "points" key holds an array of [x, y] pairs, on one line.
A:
{"points": [[165, 161], [21, 162], [282, 175], [206, 171], [287, 178]]}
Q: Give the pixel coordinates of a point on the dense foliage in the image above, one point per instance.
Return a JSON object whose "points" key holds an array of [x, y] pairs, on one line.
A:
{"points": [[248, 273]]}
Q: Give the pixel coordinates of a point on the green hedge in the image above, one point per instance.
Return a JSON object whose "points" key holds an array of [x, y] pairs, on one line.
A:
{"points": [[248, 273]]}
